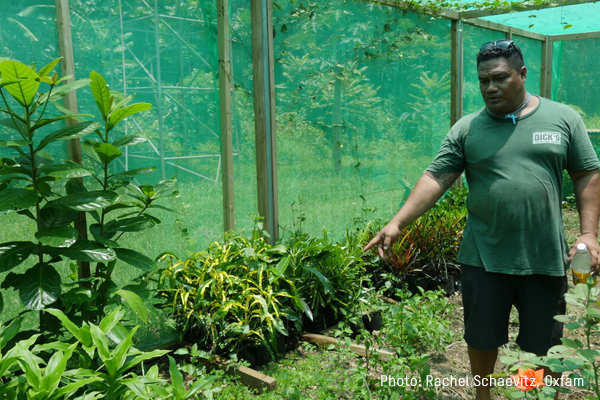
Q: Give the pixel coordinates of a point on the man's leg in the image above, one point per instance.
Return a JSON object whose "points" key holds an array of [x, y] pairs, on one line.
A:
{"points": [[482, 365], [538, 329]]}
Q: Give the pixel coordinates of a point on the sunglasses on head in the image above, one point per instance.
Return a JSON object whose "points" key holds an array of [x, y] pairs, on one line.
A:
{"points": [[501, 44]]}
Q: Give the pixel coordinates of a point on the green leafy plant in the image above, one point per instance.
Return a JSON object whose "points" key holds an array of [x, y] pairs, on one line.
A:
{"points": [[234, 294], [108, 366], [53, 194], [329, 275]]}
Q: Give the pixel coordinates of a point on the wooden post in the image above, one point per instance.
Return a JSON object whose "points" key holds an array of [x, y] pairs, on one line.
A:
{"points": [[65, 46], [225, 114], [546, 70], [456, 77], [336, 124], [264, 114], [456, 83]]}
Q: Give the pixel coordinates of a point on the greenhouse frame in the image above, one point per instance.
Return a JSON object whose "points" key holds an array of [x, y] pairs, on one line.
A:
{"points": [[243, 126]]}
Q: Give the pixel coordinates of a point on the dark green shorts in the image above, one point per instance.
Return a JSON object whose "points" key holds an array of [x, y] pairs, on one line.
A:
{"points": [[488, 299]]}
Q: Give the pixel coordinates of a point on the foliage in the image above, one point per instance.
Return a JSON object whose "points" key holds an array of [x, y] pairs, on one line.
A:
{"points": [[54, 194], [429, 246], [574, 356], [310, 372], [237, 293], [419, 322], [106, 369], [246, 292], [329, 275]]}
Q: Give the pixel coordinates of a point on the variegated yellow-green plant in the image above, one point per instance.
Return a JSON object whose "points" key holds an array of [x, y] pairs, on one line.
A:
{"points": [[235, 293]]}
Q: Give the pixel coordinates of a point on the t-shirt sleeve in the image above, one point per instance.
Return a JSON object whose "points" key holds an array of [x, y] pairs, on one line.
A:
{"points": [[581, 155], [450, 157]]}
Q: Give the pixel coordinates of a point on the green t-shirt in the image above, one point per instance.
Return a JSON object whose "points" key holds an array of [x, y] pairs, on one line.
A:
{"points": [[514, 173]]}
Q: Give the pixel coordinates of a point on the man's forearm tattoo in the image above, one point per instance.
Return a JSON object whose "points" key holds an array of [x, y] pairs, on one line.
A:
{"points": [[445, 178]]}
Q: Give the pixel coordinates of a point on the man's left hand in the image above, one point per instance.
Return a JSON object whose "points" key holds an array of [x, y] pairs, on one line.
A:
{"points": [[591, 241]]}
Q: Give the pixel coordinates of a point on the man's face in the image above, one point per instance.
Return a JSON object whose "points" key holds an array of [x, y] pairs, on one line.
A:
{"points": [[502, 87]]}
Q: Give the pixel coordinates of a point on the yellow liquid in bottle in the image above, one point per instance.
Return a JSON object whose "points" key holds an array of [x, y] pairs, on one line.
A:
{"points": [[581, 277]]}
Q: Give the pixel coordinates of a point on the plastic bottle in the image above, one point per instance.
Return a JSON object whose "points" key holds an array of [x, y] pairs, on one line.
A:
{"points": [[580, 264]]}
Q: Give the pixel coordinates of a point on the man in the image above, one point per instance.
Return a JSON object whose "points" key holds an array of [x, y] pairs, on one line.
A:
{"points": [[514, 252]]}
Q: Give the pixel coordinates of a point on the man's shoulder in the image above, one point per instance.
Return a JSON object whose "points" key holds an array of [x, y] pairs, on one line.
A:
{"points": [[467, 119], [556, 107]]}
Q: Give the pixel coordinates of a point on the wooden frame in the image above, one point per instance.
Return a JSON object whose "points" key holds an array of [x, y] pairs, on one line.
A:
{"points": [[264, 115], [264, 86], [225, 115], [67, 65]]}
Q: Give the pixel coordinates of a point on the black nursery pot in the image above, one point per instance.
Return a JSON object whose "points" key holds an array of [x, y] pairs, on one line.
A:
{"points": [[373, 321]]}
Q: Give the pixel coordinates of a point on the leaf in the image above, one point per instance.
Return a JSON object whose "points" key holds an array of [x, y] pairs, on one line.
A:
{"points": [[135, 259], [84, 250], [70, 132], [14, 253], [66, 322], [59, 91], [58, 236], [39, 286], [53, 217], [88, 149], [44, 71], [327, 286], [101, 93], [65, 171], [7, 333], [86, 201], [111, 320], [134, 302], [25, 90], [573, 363], [99, 339], [107, 152], [17, 199], [120, 114], [133, 224], [130, 140], [573, 325], [563, 318], [15, 143], [593, 313], [176, 379]]}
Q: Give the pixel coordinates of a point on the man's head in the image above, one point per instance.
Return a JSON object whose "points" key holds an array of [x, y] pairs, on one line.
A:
{"points": [[501, 48], [501, 76]]}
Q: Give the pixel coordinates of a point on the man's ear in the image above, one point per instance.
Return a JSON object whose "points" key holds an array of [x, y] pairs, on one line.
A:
{"points": [[523, 73]]}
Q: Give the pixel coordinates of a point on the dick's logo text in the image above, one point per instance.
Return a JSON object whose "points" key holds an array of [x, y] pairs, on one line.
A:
{"points": [[546, 137]]}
